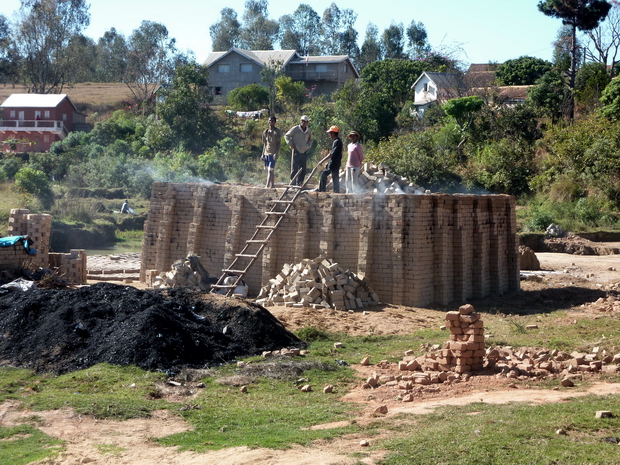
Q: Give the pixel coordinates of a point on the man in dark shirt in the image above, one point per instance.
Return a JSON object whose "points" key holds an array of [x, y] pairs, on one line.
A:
{"points": [[335, 159]]}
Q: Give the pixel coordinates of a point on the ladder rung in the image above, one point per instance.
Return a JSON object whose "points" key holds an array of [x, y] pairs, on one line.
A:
{"points": [[275, 213], [283, 201], [256, 241], [265, 227], [224, 286], [245, 255], [234, 271]]}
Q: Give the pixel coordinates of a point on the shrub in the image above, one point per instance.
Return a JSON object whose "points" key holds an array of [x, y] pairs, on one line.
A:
{"points": [[35, 182], [248, 98]]}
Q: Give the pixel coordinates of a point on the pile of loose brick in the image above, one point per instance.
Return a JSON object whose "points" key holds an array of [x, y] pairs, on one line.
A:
{"points": [[317, 283], [378, 179], [181, 274], [464, 354]]}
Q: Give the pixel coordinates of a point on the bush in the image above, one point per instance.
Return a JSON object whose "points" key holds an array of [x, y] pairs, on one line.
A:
{"points": [[35, 182], [249, 98]]}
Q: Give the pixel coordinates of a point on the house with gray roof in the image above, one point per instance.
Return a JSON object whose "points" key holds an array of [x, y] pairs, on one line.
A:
{"points": [[432, 88], [322, 75]]}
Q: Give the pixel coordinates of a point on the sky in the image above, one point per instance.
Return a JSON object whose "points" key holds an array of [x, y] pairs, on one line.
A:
{"points": [[484, 30]]}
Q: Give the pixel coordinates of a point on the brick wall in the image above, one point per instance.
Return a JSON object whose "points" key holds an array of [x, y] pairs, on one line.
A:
{"points": [[413, 249], [71, 266]]}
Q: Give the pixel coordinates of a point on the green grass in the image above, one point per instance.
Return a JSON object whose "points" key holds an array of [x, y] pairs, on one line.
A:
{"points": [[275, 413], [24, 444], [508, 434]]}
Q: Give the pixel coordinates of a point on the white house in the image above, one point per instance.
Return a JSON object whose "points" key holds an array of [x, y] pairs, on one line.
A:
{"points": [[436, 87]]}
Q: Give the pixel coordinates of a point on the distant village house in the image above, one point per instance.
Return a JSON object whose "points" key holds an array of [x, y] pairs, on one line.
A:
{"points": [[322, 75], [33, 122]]}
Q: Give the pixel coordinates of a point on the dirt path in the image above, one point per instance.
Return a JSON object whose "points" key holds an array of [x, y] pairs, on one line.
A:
{"points": [[129, 442]]}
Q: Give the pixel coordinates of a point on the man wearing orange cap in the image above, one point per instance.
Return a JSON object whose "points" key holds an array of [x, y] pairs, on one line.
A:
{"points": [[335, 159]]}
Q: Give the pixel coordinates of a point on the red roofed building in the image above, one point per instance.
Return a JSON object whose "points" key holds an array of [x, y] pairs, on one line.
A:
{"points": [[33, 122]]}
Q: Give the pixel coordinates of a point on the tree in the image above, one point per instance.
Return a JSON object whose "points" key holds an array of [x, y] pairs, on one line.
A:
{"points": [[9, 58], [82, 51], [417, 39], [185, 108], [225, 32], [393, 41], [604, 41], [269, 75], [610, 99], [590, 82], [562, 48], [521, 71], [45, 30], [301, 30], [371, 48], [339, 34], [393, 78], [152, 57], [584, 15], [258, 32], [111, 57], [550, 97]]}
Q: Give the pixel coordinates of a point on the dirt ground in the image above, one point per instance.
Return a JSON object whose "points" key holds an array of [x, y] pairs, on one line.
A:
{"points": [[566, 281]]}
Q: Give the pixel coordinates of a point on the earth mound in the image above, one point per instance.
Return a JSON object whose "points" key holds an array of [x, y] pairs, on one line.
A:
{"points": [[72, 329]]}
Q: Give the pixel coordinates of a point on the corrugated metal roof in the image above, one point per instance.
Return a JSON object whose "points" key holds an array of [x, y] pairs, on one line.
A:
{"points": [[262, 57], [446, 80], [321, 59], [34, 100]]}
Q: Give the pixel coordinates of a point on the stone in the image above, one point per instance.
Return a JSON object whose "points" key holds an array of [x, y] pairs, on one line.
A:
{"points": [[381, 410], [306, 388], [365, 361], [567, 382], [603, 414], [527, 259], [328, 389]]}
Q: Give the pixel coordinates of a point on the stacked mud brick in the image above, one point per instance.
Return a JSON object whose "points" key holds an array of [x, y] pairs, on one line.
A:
{"points": [[378, 179], [317, 283], [414, 249], [69, 266], [465, 350]]}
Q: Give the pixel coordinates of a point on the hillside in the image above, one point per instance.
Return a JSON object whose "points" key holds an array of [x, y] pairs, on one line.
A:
{"points": [[89, 97]]}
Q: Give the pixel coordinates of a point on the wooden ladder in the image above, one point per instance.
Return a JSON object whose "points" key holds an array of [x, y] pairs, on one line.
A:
{"points": [[264, 232]]}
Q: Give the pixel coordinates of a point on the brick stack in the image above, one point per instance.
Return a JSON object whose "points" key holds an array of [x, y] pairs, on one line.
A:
{"points": [[38, 228], [465, 351], [318, 283], [70, 266], [415, 249]]}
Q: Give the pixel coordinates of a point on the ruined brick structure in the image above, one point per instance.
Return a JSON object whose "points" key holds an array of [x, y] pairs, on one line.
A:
{"points": [[412, 249], [70, 266]]}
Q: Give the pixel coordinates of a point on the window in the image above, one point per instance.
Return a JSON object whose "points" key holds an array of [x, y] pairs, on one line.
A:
{"points": [[37, 114], [64, 117], [245, 67], [217, 91], [46, 139], [47, 113], [12, 113], [346, 69], [321, 68], [223, 68], [425, 88]]}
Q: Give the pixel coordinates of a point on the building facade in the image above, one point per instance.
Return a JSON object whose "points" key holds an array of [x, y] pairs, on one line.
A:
{"points": [[235, 68], [33, 122]]}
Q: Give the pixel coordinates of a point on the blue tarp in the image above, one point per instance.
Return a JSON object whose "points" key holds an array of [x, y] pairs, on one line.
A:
{"points": [[12, 240]]}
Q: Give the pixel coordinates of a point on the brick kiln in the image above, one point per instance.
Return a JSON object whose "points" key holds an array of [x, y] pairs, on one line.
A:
{"points": [[412, 249]]}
